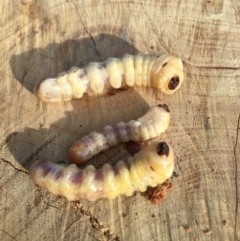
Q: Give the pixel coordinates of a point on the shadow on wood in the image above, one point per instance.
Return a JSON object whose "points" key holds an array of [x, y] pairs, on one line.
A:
{"points": [[53, 141], [32, 66]]}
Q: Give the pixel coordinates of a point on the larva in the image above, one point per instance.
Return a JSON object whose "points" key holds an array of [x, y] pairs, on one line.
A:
{"points": [[164, 72], [149, 167], [150, 125]]}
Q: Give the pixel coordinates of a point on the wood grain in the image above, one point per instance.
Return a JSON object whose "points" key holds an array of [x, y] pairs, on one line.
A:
{"points": [[39, 38]]}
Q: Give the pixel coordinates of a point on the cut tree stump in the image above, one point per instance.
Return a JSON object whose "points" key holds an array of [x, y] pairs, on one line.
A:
{"points": [[39, 38]]}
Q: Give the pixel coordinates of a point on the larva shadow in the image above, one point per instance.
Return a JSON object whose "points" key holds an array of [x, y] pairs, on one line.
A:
{"points": [[53, 140], [32, 66]]}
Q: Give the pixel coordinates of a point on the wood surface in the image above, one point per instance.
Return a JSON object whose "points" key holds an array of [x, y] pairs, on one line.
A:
{"points": [[39, 38]]}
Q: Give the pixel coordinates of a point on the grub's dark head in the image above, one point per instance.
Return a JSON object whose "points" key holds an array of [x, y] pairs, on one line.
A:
{"points": [[170, 74], [173, 83], [163, 149]]}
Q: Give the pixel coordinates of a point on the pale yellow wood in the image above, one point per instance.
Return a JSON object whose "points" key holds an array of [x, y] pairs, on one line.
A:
{"points": [[39, 38]]}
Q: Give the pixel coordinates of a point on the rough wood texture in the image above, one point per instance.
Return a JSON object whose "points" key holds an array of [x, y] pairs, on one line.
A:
{"points": [[43, 37]]}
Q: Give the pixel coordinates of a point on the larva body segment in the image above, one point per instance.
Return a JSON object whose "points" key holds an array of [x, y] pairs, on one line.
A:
{"points": [[164, 72], [65, 86], [115, 70], [150, 125], [96, 77], [149, 167], [78, 87], [128, 64], [138, 63]]}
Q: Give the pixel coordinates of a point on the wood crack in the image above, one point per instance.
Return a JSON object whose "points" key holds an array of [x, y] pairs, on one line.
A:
{"points": [[96, 224], [236, 177], [210, 67], [51, 205], [17, 169], [85, 29], [9, 235]]}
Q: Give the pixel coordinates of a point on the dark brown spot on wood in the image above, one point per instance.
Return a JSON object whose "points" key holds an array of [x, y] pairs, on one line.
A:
{"points": [[165, 107], [174, 82], [162, 149], [164, 64], [175, 174]]}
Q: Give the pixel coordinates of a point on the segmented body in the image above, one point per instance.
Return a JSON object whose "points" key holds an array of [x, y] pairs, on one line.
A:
{"points": [[149, 167], [150, 125], [164, 72]]}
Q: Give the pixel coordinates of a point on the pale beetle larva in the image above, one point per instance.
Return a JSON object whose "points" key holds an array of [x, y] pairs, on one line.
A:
{"points": [[149, 167], [164, 72], [149, 126]]}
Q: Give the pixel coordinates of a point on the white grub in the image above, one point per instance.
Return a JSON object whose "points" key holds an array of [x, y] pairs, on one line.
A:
{"points": [[149, 167], [151, 125], [164, 72]]}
